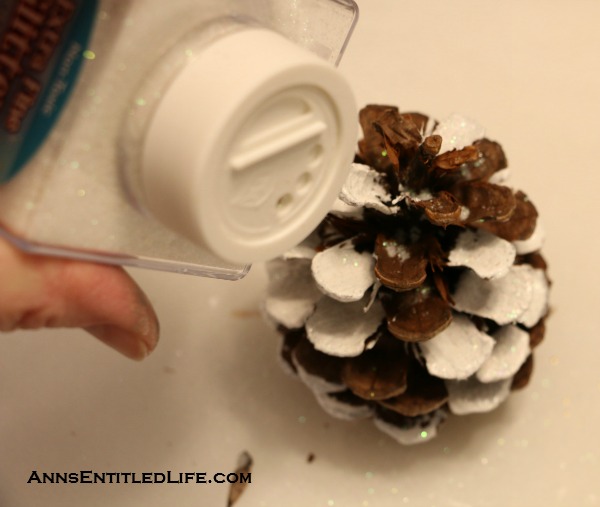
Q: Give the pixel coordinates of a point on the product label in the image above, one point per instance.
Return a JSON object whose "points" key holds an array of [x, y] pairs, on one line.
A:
{"points": [[42, 46]]}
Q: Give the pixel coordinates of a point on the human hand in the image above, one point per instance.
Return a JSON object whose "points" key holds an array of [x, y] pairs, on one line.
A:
{"points": [[37, 292]]}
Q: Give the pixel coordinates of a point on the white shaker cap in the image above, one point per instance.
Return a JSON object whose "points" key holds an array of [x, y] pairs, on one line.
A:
{"points": [[249, 146]]}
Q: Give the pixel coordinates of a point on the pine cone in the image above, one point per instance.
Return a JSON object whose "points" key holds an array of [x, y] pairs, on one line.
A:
{"points": [[422, 294]]}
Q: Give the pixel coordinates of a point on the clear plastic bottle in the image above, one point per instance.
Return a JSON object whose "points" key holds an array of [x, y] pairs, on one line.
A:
{"points": [[193, 136]]}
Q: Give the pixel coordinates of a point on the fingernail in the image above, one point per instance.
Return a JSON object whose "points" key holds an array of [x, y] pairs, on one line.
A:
{"points": [[139, 338], [131, 345], [148, 325]]}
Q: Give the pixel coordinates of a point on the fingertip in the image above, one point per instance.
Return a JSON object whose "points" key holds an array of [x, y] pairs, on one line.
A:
{"points": [[133, 345], [112, 307], [105, 300]]}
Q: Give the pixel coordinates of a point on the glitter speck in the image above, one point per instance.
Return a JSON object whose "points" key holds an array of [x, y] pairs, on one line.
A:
{"points": [[189, 53], [446, 450], [371, 491], [394, 491], [512, 315], [89, 54], [384, 153], [424, 434], [330, 502], [81, 192], [302, 420], [484, 461], [501, 442], [405, 499], [75, 164], [140, 101], [365, 503], [369, 475]]}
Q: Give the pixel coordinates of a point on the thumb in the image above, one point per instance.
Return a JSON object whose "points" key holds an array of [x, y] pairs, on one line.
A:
{"points": [[41, 292]]}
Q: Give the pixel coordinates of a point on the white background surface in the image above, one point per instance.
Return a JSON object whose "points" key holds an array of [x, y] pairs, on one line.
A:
{"points": [[527, 70]]}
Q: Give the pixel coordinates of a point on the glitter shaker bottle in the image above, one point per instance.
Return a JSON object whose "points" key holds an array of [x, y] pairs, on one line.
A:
{"points": [[193, 136]]}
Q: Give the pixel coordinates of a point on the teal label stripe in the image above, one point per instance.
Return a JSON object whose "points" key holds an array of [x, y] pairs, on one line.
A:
{"points": [[42, 43]]}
